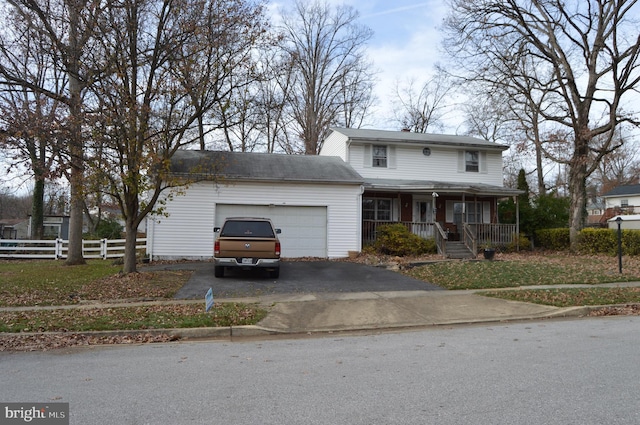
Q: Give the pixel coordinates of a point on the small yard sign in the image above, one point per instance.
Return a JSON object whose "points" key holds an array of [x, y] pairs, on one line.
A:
{"points": [[209, 299]]}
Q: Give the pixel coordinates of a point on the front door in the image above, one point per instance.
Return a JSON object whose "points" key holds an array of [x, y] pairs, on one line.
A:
{"points": [[423, 218]]}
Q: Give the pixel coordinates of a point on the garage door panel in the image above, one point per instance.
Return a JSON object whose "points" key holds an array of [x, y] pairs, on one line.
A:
{"points": [[304, 229]]}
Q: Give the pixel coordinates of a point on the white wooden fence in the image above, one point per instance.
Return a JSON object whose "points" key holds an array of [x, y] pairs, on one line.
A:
{"points": [[57, 249]]}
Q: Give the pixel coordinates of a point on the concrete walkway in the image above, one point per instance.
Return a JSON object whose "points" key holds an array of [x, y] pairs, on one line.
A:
{"points": [[387, 310]]}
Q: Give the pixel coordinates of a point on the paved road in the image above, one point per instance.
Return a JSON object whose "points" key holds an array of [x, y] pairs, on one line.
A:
{"points": [[295, 277], [548, 372]]}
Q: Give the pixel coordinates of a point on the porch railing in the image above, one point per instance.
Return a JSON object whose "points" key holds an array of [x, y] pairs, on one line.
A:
{"points": [[474, 235], [469, 238], [370, 229], [441, 240], [495, 235]]}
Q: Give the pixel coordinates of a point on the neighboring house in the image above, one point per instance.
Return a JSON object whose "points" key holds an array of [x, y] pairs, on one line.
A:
{"points": [[622, 200], [55, 226], [430, 182], [596, 214], [13, 228], [314, 200], [439, 186]]}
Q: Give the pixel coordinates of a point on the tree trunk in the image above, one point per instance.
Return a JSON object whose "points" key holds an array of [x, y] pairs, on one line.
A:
{"points": [[37, 209], [76, 144], [578, 192], [130, 247]]}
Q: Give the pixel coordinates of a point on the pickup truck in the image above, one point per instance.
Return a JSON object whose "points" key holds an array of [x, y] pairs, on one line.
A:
{"points": [[247, 243]]}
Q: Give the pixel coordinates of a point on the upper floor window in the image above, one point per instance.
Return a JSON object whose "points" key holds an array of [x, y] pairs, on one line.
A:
{"points": [[379, 156], [472, 161]]}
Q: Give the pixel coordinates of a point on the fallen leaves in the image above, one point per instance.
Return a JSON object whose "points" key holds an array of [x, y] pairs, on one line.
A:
{"points": [[44, 342]]}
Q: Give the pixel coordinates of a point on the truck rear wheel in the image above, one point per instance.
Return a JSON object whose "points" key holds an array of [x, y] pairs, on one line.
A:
{"points": [[275, 273], [218, 271]]}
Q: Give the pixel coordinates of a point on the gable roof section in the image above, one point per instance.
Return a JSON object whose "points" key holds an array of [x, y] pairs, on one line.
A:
{"points": [[407, 137], [633, 189], [253, 166]]}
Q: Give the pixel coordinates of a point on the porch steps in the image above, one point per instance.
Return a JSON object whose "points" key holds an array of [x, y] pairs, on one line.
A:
{"points": [[458, 251]]}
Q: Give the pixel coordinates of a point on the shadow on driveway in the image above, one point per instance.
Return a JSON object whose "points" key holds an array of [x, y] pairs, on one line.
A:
{"points": [[296, 277]]}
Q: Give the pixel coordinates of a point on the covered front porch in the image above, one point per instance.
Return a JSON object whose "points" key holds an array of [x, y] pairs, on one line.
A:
{"points": [[454, 215]]}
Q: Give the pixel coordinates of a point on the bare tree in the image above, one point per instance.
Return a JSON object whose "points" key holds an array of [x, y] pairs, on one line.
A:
{"points": [[331, 76], [421, 109], [221, 66], [619, 168], [32, 122], [586, 59], [144, 105], [65, 28]]}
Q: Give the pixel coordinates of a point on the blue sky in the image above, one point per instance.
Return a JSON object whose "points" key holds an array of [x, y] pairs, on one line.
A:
{"points": [[405, 44]]}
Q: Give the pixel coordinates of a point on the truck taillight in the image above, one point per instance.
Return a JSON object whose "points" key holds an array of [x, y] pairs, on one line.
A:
{"points": [[216, 247], [277, 248]]}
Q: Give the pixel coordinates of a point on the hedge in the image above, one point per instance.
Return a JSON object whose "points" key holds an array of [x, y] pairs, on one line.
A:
{"points": [[591, 241]]}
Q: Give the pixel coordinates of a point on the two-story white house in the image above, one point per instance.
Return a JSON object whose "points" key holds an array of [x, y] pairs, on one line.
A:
{"points": [[329, 205], [431, 182]]}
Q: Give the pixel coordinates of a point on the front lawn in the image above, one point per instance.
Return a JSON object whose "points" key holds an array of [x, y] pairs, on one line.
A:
{"points": [[52, 283], [511, 270]]}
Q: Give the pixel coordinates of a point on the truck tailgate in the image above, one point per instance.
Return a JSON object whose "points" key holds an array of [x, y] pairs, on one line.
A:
{"points": [[237, 247]]}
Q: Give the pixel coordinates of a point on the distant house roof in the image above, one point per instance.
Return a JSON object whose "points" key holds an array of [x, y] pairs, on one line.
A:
{"points": [[252, 166], [387, 136], [633, 189]]}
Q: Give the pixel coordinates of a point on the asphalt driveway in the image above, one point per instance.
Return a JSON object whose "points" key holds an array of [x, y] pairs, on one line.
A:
{"points": [[296, 277]]}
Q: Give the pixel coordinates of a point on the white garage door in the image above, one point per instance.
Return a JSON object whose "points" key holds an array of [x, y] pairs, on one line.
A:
{"points": [[304, 229]]}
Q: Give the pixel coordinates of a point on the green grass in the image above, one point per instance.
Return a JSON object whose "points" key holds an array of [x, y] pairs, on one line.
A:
{"points": [[130, 318], [572, 296], [52, 283], [509, 274], [48, 282], [540, 270]]}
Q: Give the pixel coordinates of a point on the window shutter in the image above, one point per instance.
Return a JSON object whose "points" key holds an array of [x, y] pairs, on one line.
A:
{"points": [[391, 157], [461, 162], [483, 162], [486, 212], [368, 158], [395, 209], [449, 212]]}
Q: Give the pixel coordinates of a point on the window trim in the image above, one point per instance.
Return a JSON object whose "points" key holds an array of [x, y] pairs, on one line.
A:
{"points": [[379, 161], [471, 165]]}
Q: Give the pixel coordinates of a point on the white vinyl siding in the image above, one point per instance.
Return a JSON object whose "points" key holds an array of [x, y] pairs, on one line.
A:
{"points": [[618, 201], [408, 163], [335, 145], [188, 230]]}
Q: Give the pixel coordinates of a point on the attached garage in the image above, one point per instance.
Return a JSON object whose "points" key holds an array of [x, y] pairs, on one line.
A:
{"points": [[304, 228], [315, 200]]}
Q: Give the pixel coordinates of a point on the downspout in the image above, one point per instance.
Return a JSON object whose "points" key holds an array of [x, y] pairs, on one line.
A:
{"points": [[359, 209]]}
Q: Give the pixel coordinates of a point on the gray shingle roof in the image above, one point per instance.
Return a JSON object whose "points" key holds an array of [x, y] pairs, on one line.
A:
{"points": [[252, 166], [428, 186], [633, 189], [416, 138]]}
